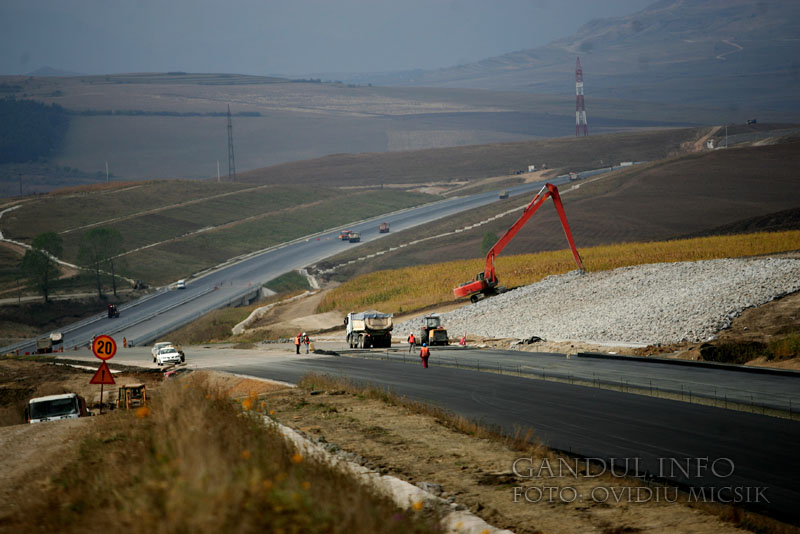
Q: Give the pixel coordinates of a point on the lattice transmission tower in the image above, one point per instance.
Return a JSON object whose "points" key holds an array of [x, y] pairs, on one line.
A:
{"points": [[581, 126], [231, 158]]}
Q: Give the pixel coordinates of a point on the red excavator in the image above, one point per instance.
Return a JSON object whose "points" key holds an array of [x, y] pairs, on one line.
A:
{"points": [[485, 283]]}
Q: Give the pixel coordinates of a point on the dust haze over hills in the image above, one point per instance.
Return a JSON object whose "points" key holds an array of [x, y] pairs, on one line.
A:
{"points": [[733, 54], [674, 63]]}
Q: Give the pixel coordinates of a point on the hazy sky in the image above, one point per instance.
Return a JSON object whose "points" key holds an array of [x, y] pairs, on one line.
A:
{"points": [[291, 37]]}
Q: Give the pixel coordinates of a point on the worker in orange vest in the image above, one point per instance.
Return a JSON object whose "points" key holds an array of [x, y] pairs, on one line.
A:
{"points": [[297, 340], [412, 341], [424, 353]]}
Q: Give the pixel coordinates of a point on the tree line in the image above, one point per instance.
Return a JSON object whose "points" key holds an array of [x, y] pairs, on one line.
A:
{"points": [[97, 253], [30, 130]]}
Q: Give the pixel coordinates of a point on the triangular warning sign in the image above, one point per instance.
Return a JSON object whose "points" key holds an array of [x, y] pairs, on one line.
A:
{"points": [[103, 375]]}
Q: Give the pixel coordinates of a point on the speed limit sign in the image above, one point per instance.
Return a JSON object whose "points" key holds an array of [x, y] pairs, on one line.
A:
{"points": [[104, 347]]}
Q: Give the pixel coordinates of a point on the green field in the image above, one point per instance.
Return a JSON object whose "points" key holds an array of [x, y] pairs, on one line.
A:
{"points": [[173, 229]]}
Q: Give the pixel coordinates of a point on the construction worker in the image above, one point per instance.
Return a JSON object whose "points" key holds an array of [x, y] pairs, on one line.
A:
{"points": [[306, 341], [424, 353], [412, 341], [297, 339]]}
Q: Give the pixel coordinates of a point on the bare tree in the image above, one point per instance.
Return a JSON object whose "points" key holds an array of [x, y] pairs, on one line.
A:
{"points": [[39, 265], [99, 246]]}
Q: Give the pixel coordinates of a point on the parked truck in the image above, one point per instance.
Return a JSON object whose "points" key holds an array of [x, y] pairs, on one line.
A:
{"points": [[46, 344], [54, 407], [369, 329]]}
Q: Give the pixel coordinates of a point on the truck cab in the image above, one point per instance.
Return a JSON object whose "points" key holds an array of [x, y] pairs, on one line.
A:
{"points": [[55, 407]]}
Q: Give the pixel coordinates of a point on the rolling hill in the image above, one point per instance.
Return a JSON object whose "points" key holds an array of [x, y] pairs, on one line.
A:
{"points": [[735, 55]]}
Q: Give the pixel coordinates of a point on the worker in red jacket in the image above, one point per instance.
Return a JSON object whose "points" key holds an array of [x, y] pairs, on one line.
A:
{"points": [[412, 341], [424, 353], [297, 340]]}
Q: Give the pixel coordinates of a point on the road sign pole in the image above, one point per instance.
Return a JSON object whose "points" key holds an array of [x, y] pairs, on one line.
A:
{"points": [[104, 347]]}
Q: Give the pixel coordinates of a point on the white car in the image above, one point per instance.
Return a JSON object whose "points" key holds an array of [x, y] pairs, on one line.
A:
{"points": [[158, 346], [168, 355]]}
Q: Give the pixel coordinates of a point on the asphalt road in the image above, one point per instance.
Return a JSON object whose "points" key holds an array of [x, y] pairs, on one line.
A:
{"points": [[143, 320], [724, 384], [751, 454]]}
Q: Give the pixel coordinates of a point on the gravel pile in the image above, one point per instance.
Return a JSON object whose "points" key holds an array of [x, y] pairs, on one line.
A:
{"points": [[647, 304]]}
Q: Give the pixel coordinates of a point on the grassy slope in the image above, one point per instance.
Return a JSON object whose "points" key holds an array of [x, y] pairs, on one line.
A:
{"points": [[244, 218], [195, 461]]}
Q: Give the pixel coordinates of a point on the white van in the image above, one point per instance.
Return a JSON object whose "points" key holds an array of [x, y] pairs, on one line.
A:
{"points": [[181, 284]]}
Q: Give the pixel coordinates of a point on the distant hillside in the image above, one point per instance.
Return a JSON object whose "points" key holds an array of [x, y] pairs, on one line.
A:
{"points": [[729, 54], [480, 161], [748, 189]]}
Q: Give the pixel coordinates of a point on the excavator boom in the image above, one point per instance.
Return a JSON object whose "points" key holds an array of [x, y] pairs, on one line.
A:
{"points": [[487, 280]]}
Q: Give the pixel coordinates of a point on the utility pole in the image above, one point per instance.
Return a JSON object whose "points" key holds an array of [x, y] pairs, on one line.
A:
{"points": [[231, 159], [106, 172], [217, 171], [581, 126]]}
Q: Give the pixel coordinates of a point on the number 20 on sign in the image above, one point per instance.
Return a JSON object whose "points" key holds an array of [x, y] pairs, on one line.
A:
{"points": [[104, 347]]}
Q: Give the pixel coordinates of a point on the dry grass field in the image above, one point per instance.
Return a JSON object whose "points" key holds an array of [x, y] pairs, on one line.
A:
{"points": [[420, 287]]}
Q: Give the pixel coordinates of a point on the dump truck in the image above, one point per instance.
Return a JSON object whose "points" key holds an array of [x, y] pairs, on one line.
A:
{"points": [[432, 331], [46, 344], [383, 228], [54, 407], [354, 237], [369, 329]]}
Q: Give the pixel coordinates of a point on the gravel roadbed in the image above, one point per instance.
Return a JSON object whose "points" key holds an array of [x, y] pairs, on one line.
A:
{"points": [[645, 304]]}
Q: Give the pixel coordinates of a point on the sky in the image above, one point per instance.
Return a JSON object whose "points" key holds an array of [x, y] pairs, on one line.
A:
{"points": [[281, 37]]}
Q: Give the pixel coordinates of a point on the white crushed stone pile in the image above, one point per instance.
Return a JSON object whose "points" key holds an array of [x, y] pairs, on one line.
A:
{"points": [[647, 304]]}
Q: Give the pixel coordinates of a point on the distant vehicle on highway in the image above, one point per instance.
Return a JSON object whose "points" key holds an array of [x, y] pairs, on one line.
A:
{"points": [[168, 355], [113, 312], [502, 194], [354, 237], [344, 235], [383, 228], [55, 407], [181, 284]]}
